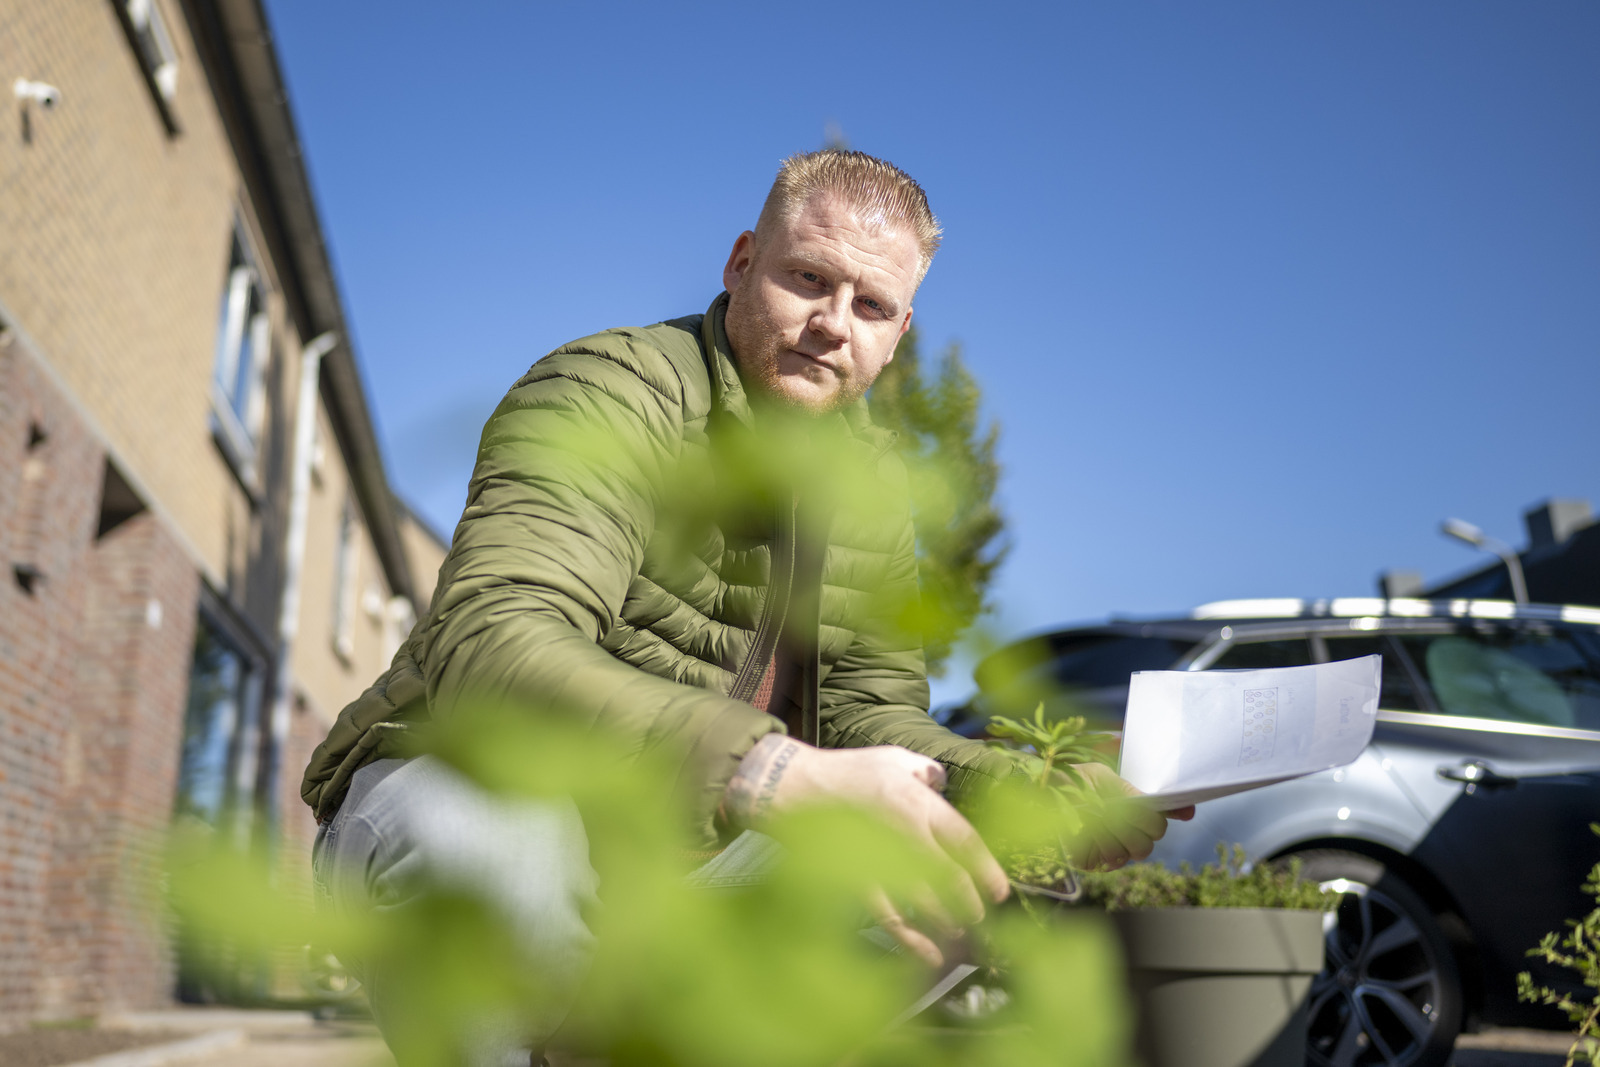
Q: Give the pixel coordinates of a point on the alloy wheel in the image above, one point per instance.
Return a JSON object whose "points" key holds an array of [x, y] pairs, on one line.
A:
{"points": [[1379, 999]]}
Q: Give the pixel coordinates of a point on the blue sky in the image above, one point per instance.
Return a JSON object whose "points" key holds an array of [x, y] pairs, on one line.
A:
{"points": [[1258, 292]]}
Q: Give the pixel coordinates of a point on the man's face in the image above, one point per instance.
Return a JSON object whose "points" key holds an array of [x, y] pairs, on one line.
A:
{"points": [[816, 308]]}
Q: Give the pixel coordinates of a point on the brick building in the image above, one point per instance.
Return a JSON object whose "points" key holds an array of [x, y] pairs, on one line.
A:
{"points": [[203, 558]]}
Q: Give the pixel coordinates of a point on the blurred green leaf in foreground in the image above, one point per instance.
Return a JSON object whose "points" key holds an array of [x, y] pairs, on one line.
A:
{"points": [[775, 973]]}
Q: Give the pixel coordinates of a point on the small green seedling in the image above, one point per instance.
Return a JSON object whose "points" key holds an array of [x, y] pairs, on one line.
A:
{"points": [[1033, 832]]}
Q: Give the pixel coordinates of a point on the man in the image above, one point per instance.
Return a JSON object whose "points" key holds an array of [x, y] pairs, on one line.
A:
{"points": [[752, 649]]}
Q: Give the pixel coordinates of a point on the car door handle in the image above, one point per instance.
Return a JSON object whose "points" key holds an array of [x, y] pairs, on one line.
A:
{"points": [[1477, 773]]}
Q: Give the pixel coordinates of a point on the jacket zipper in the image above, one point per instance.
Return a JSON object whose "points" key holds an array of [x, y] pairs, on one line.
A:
{"points": [[770, 627]]}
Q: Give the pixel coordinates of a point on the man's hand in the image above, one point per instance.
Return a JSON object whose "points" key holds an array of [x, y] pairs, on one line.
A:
{"points": [[896, 786], [1129, 827]]}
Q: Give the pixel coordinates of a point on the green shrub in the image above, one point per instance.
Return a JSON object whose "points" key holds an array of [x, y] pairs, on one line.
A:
{"points": [[1224, 884]]}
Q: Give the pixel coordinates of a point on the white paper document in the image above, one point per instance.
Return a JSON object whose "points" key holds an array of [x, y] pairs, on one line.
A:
{"points": [[1195, 735]]}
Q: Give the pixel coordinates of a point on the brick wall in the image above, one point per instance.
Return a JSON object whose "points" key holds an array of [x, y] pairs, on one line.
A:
{"points": [[93, 672], [45, 460], [131, 675]]}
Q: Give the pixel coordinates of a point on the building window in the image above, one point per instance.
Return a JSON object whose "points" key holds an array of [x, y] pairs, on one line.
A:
{"points": [[238, 396], [218, 783], [344, 583], [216, 767], [155, 45], [158, 59], [399, 618]]}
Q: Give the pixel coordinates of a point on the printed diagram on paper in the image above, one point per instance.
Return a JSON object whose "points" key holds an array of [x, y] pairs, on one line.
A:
{"points": [[1260, 725]]}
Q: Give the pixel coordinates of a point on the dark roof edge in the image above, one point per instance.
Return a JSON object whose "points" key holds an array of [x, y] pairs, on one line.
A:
{"points": [[238, 53], [1573, 562]]}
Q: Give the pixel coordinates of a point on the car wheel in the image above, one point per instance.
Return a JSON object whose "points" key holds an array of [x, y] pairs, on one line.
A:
{"points": [[1390, 992]]}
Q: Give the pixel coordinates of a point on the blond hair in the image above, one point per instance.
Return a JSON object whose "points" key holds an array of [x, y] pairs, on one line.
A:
{"points": [[880, 191]]}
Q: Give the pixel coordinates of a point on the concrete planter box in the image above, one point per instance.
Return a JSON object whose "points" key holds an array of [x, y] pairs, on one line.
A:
{"points": [[1221, 987]]}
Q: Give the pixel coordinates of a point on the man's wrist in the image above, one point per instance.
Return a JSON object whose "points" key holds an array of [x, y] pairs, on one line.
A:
{"points": [[748, 798]]}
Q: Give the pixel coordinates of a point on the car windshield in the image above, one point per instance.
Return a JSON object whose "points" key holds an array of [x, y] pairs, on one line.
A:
{"points": [[1108, 659], [1074, 674], [1252, 655]]}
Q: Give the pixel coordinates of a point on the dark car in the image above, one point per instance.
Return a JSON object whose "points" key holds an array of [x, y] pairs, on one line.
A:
{"points": [[1458, 838]]}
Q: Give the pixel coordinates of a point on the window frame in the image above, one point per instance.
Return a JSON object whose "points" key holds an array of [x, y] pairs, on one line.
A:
{"points": [[153, 46], [240, 781], [239, 401], [346, 580]]}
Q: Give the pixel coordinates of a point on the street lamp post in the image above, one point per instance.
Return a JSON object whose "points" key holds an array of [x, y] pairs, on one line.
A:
{"points": [[1465, 531]]}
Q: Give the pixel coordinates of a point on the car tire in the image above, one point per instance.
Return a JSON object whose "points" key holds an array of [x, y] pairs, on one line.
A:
{"points": [[1390, 992]]}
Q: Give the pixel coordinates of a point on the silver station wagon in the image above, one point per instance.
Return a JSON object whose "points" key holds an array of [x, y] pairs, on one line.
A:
{"points": [[1457, 839]]}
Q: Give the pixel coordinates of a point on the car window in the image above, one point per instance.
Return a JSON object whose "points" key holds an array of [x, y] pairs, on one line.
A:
{"points": [[1399, 690], [1540, 676], [1588, 642], [1072, 674], [1109, 660], [1293, 652]]}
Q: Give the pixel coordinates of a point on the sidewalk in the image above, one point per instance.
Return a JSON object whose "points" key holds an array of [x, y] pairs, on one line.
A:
{"points": [[221, 1037], [226, 1037], [330, 1044], [1512, 1048], [357, 1045]]}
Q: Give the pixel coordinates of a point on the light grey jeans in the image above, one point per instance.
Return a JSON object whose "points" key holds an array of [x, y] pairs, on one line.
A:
{"points": [[411, 827]]}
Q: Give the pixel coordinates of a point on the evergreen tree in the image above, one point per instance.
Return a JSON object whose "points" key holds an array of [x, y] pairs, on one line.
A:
{"points": [[954, 475]]}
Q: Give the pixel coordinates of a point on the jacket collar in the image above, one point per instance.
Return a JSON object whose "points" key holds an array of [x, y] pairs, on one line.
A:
{"points": [[727, 388]]}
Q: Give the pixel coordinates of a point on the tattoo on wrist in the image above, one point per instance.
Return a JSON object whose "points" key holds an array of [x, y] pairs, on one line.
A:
{"points": [[749, 795]]}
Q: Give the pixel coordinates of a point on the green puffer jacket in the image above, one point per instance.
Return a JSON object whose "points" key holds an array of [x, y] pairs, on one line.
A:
{"points": [[560, 591]]}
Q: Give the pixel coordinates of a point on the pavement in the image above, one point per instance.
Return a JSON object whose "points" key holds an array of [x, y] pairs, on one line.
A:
{"points": [[1513, 1048], [227, 1037], [219, 1037], [322, 1045]]}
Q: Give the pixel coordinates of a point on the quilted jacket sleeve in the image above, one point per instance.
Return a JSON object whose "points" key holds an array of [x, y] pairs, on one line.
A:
{"points": [[559, 509], [877, 693]]}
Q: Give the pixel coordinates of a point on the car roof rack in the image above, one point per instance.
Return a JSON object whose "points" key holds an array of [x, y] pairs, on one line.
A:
{"points": [[1401, 607]]}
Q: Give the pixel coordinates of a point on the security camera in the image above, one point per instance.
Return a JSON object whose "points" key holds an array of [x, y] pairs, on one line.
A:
{"points": [[46, 96]]}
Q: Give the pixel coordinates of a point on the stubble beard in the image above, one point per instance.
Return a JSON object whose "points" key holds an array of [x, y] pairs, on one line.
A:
{"points": [[758, 348]]}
